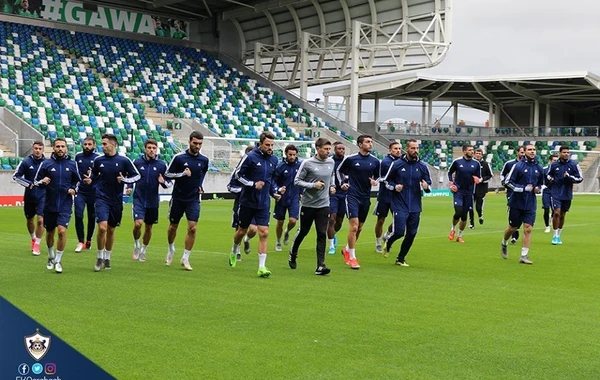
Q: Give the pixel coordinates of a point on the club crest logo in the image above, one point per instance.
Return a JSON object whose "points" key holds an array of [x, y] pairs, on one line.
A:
{"points": [[37, 345]]}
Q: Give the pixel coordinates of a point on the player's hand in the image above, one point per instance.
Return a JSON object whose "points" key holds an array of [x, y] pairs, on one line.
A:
{"points": [[120, 177], [259, 185], [31, 186], [399, 187], [128, 191], [332, 190], [373, 181], [71, 192], [529, 187], [87, 177], [277, 197], [46, 180], [87, 181], [282, 190], [319, 185], [453, 188], [160, 178], [424, 185], [536, 190], [200, 190], [345, 186], [187, 172], [476, 179]]}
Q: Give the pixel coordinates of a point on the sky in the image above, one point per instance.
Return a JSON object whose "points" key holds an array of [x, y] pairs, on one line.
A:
{"points": [[504, 37]]}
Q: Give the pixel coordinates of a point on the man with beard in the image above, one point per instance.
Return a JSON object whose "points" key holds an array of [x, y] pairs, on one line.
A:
{"points": [[384, 196], [109, 175], [256, 173], [290, 200], [407, 178], [188, 170], [60, 178], [34, 197], [481, 188], [463, 174], [145, 196], [86, 195], [525, 179]]}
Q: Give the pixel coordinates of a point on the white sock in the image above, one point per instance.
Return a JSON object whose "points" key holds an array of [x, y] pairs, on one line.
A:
{"points": [[32, 235], [236, 247], [352, 253], [504, 242], [556, 233], [262, 260], [58, 256], [38, 240], [453, 228], [377, 240], [51, 252], [559, 232], [143, 249], [186, 254], [460, 232], [246, 239], [172, 247], [137, 243], [101, 254], [524, 251], [107, 254], [331, 245], [279, 241]]}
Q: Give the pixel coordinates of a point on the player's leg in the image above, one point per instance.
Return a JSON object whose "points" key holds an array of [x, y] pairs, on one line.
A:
{"points": [[245, 217], [192, 214], [398, 229], [321, 223], [79, 204], [481, 207], [114, 220], [91, 220], [557, 218], [293, 213], [565, 206], [472, 218], [363, 212], [61, 243], [150, 219], [50, 224], [334, 202], [137, 234], [458, 206], [528, 222], [381, 210], [306, 221], [412, 227], [279, 215], [514, 222], [176, 210], [467, 204], [263, 240]]}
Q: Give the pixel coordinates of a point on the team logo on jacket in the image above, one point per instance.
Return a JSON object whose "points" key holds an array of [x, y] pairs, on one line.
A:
{"points": [[258, 164], [142, 168], [357, 164], [101, 165], [37, 345], [52, 170], [31, 167]]}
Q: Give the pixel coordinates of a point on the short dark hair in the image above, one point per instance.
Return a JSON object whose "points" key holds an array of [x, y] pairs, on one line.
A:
{"points": [[392, 143], [59, 139], [89, 138], [337, 143], [409, 141], [479, 150], [321, 142], [266, 135], [564, 147], [466, 146], [521, 147], [37, 142], [249, 148], [110, 137], [150, 142], [361, 138], [290, 147], [196, 135]]}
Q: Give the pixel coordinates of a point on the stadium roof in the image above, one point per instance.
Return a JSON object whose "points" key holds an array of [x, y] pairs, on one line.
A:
{"points": [[185, 9], [575, 90]]}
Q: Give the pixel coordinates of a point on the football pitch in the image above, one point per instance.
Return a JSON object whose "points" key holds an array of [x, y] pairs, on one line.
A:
{"points": [[458, 312]]}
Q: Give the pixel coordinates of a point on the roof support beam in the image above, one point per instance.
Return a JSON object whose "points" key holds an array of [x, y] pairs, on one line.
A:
{"points": [[162, 3], [440, 91]]}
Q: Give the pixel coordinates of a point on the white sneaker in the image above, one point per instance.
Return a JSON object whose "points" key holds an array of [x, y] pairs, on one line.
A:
{"points": [[142, 257], [547, 230], [79, 247], [278, 247], [186, 264], [169, 258], [136, 253], [50, 264], [58, 268]]}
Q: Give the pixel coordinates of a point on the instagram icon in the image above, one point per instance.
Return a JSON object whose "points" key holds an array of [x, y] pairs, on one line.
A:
{"points": [[50, 368]]}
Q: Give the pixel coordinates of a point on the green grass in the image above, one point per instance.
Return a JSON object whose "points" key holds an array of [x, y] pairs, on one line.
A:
{"points": [[458, 312]]}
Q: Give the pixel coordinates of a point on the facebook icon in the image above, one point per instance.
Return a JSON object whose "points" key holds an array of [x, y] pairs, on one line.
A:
{"points": [[23, 369]]}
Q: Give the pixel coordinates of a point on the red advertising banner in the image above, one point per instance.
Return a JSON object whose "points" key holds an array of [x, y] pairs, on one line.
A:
{"points": [[11, 200]]}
